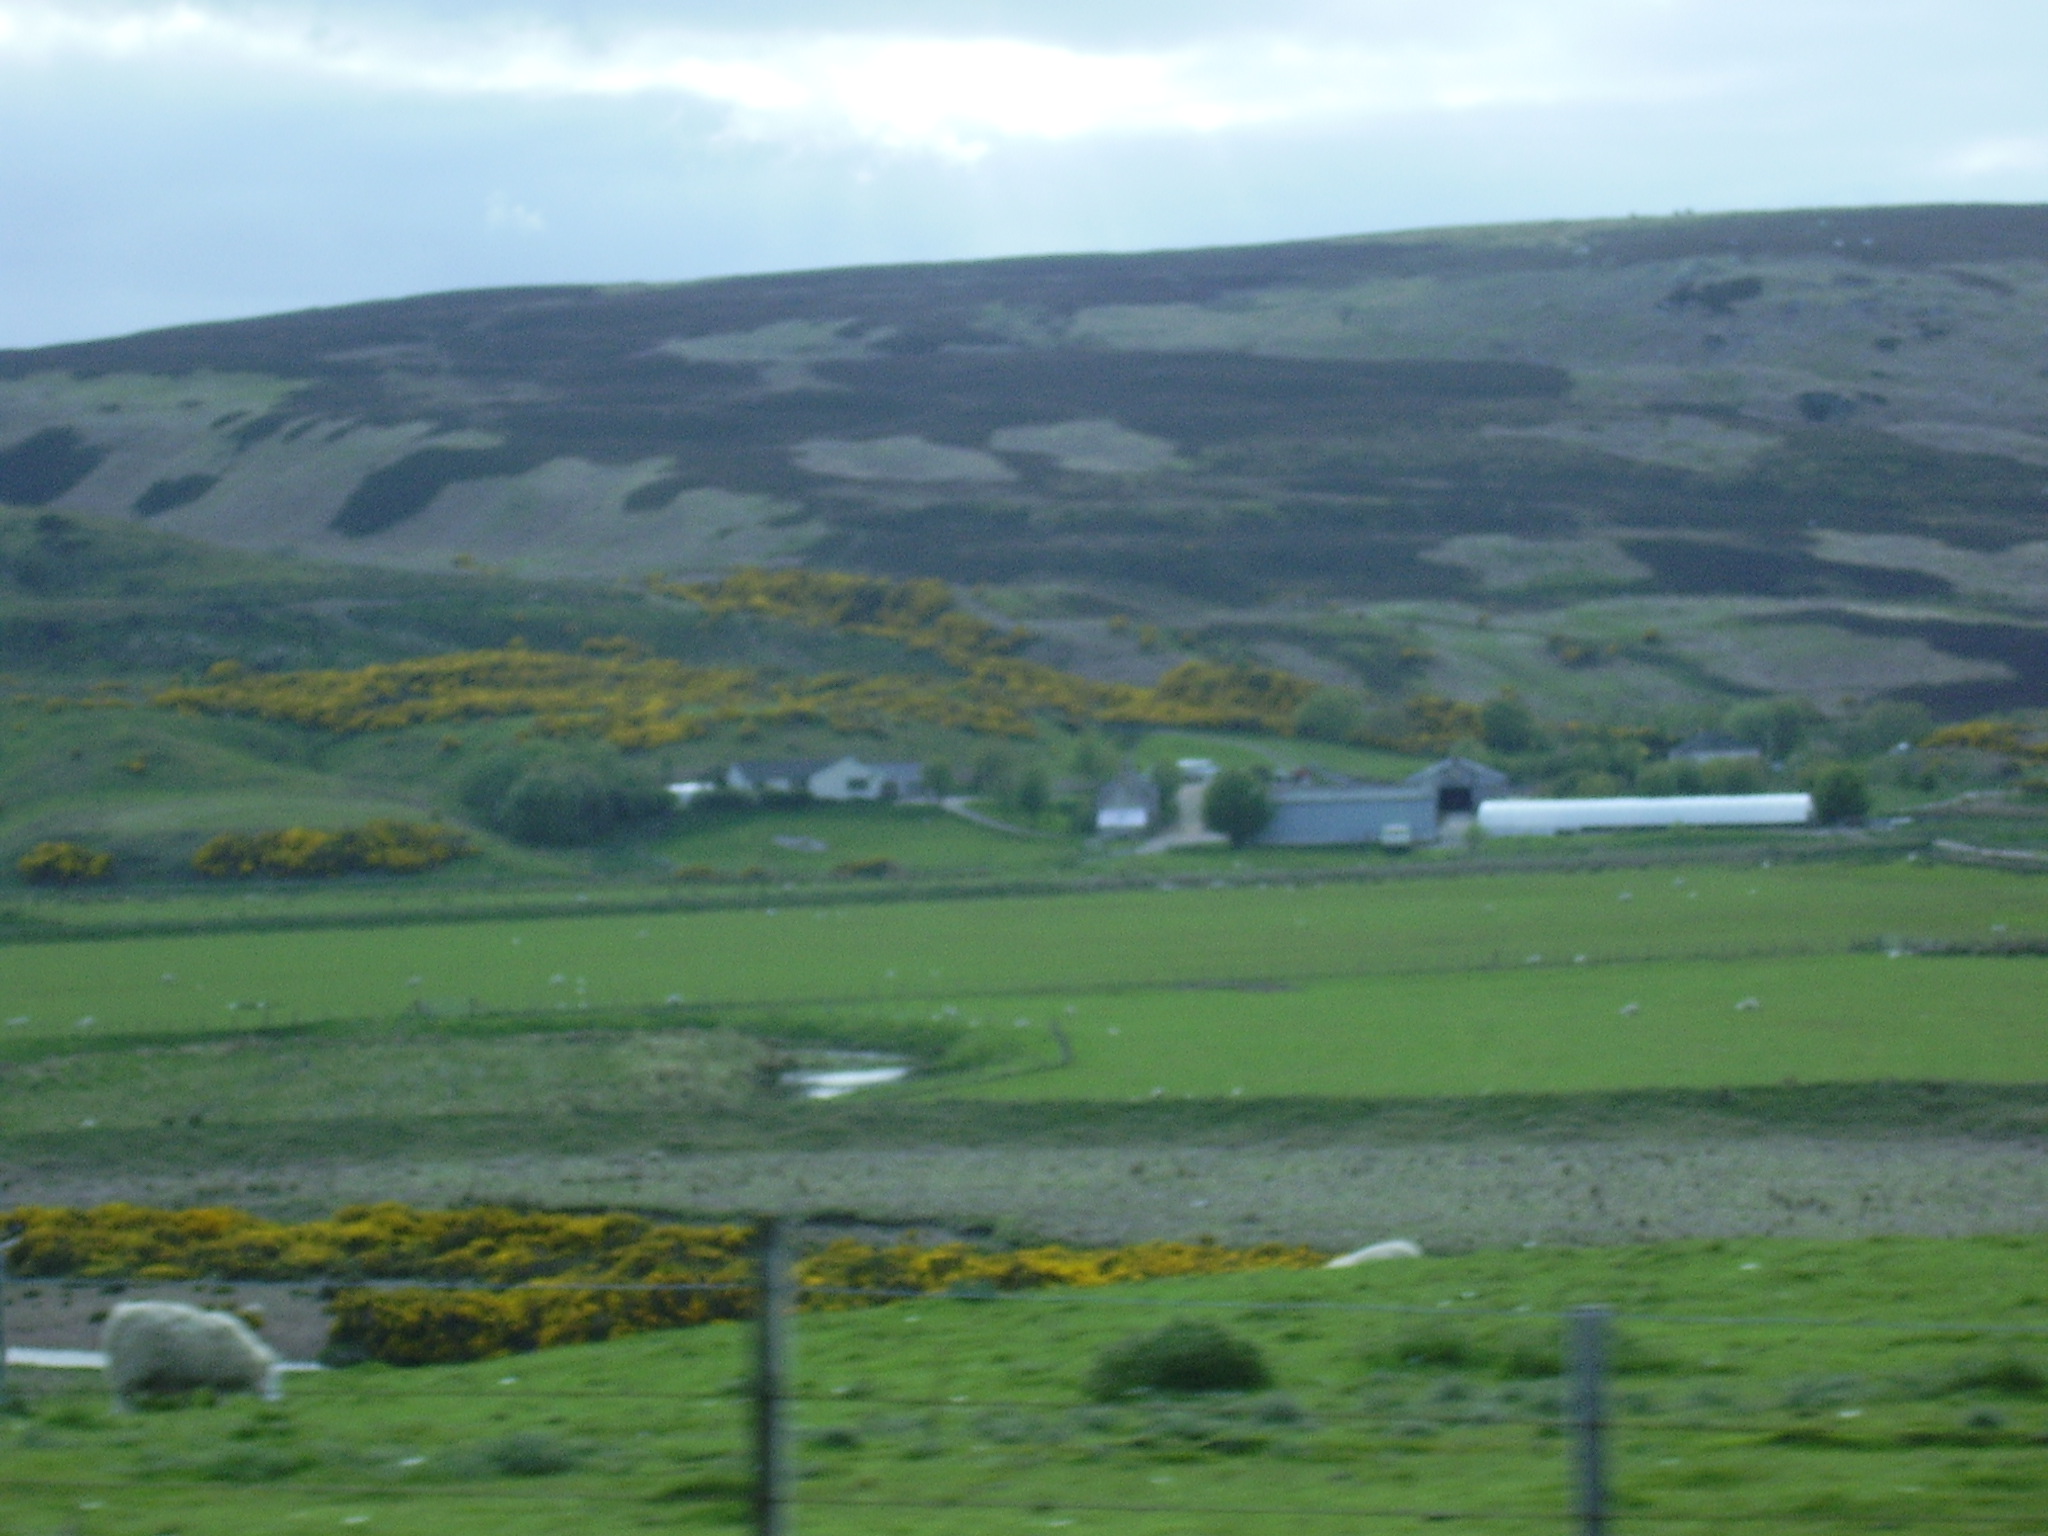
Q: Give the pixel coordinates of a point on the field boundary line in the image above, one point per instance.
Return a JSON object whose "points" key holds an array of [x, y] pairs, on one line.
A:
{"points": [[25, 928]]}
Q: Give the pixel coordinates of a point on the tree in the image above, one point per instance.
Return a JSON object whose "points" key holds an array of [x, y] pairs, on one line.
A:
{"points": [[562, 800], [1331, 714], [1840, 793], [1237, 805], [1506, 724], [1032, 792], [1778, 726]]}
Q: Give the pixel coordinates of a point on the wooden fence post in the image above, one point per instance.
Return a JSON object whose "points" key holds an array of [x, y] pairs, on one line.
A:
{"points": [[774, 1299], [1586, 1330]]}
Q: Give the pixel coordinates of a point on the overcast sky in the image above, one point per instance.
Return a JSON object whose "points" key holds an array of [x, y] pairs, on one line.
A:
{"points": [[172, 160]]}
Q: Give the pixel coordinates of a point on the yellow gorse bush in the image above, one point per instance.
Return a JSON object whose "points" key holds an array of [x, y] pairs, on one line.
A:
{"points": [[1999, 736], [394, 847], [419, 1326], [64, 864], [633, 701]]}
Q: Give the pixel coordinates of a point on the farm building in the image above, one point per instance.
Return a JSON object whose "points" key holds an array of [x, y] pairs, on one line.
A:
{"points": [[1310, 814], [1543, 818], [851, 779], [843, 778], [1715, 747], [1128, 803], [1459, 784]]}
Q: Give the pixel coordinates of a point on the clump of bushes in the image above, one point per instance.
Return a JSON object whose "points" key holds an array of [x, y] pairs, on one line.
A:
{"points": [[392, 847], [404, 1326], [1181, 1357], [1237, 805], [526, 1454], [561, 799], [60, 863], [1522, 1353], [1840, 793], [865, 869]]}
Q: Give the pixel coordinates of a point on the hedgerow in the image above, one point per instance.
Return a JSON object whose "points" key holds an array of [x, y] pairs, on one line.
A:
{"points": [[430, 1325]]}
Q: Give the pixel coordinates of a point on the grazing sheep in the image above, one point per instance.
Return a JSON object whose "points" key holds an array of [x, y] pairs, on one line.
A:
{"points": [[164, 1347], [1393, 1248]]}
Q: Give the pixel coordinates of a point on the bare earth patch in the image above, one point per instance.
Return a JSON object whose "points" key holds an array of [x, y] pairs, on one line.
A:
{"points": [[1448, 1196]]}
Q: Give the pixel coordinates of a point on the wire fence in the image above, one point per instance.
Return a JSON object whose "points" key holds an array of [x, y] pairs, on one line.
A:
{"points": [[1564, 1446]]}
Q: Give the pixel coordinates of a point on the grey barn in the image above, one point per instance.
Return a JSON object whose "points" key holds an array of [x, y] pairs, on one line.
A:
{"points": [[1460, 785], [1317, 815]]}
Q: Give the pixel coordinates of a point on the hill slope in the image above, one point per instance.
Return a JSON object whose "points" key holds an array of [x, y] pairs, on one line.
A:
{"points": [[1838, 420]]}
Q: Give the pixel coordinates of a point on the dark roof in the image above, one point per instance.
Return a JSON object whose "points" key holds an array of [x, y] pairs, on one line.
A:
{"points": [[1128, 789], [1460, 772], [1715, 744], [1284, 793], [759, 768]]}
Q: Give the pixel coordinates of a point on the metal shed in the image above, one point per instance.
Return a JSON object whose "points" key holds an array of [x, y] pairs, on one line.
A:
{"points": [[1460, 785], [1311, 816]]}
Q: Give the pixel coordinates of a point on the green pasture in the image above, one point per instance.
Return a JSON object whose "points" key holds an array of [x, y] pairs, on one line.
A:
{"points": [[1554, 1029], [920, 839], [920, 955], [1405, 1395]]}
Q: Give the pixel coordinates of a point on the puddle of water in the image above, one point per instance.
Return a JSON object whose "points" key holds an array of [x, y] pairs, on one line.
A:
{"points": [[833, 1084]]}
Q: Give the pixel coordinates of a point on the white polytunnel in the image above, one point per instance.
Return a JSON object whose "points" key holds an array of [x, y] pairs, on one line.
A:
{"points": [[1542, 818]]}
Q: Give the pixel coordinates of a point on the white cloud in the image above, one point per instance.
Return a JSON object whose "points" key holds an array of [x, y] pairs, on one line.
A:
{"points": [[502, 212], [1999, 157], [951, 95]]}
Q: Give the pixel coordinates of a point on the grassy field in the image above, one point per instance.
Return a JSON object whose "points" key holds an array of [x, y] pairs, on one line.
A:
{"points": [[971, 1416], [938, 954], [1321, 1062], [1837, 1018]]}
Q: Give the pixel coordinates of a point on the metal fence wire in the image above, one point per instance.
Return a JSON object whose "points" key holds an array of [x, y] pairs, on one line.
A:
{"points": [[762, 1414]]}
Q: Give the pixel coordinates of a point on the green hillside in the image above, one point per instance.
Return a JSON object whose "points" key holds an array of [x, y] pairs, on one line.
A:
{"points": [[1804, 449]]}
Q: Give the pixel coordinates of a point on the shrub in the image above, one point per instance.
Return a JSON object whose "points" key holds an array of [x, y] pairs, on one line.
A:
{"points": [[562, 799], [1532, 1356], [1778, 727], [1331, 714], [64, 864], [865, 869], [2007, 1375], [393, 847], [1436, 1346], [1237, 805], [1840, 794], [1181, 1357], [1506, 724], [528, 1454], [408, 1326]]}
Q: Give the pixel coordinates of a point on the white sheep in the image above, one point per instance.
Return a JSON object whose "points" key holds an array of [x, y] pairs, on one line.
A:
{"points": [[165, 1347], [1392, 1248]]}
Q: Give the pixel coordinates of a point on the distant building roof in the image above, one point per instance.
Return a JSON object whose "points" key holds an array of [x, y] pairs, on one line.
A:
{"points": [[1460, 773], [1712, 744]]}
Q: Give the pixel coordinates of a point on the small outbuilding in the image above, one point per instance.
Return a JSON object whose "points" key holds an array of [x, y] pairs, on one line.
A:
{"points": [[1128, 804]]}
